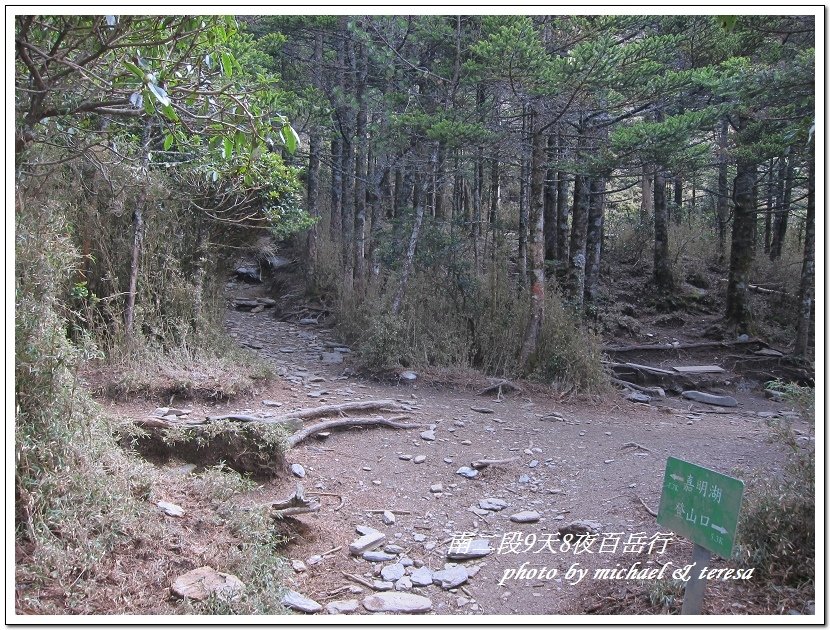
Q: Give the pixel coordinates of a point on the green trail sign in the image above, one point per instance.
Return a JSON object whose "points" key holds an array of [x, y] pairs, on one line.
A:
{"points": [[701, 505]]}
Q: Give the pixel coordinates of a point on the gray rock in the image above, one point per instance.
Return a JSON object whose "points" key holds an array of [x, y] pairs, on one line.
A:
{"points": [[365, 529], [524, 479], [420, 459], [342, 607], [297, 470], [404, 584], [201, 583], [397, 603], [312, 560], [367, 542], [478, 548], [408, 376], [388, 518], [466, 471], [580, 528], [638, 397], [171, 509], [710, 399], [773, 395], [482, 409], [296, 601], [436, 488], [466, 442], [394, 549], [429, 436], [382, 585], [527, 516], [418, 537], [450, 577], [405, 457], [492, 504], [534, 463], [271, 403], [331, 358], [393, 572], [377, 556], [421, 577], [448, 460], [406, 562], [298, 566]]}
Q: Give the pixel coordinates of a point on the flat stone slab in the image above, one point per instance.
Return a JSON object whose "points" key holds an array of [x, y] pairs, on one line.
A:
{"points": [[466, 471], [377, 556], [392, 572], [395, 602], [297, 601], [201, 583], [421, 577], [710, 399], [367, 542], [638, 397], [698, 369], [342, 607], [478, 548], [450, 577], [171, 509], [492, 504], [527, 516]]}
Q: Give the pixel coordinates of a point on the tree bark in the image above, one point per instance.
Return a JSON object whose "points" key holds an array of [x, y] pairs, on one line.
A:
{"points": [[524, 209], [579, 233], [808, 267], [678, 200], [782, 208], [361, 168], [593, 247], [722, 202], [738, 314], [551, 209], [314, 150], [662, 264], [138, 230], [409, 262], [562, 206], [647, 197], [336, 220], [537, 246]]}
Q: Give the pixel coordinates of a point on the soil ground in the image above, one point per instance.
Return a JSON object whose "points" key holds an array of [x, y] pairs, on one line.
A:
{"points": [[600, 460]]}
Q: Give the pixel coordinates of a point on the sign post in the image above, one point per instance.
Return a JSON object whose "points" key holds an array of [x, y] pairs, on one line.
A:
{"points": [[702, 505]]}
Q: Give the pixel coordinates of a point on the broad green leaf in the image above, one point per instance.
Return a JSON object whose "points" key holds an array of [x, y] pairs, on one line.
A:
{"points": [[290, 138], [159, 93], [227, 148], [135, 69], [227, 64], [170, 113], [168, 142]]}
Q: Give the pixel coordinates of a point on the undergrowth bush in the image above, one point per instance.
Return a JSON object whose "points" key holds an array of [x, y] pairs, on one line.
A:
{"points": [[776, 534]]}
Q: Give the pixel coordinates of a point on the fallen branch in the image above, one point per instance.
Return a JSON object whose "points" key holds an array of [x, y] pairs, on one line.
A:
{"points": [[407, 512], [635, 446], [331, 494], [682, 346], [648, 509], [651, 391], [307, 432], [358, 579], [484, 463], [345, 408], [293, 505], [331, 551], [498, 388]]}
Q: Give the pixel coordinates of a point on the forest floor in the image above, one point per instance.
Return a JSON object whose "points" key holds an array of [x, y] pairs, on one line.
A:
{"points": [[576, 459]]}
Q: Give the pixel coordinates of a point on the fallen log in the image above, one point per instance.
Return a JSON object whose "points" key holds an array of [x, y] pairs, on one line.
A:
{"points": [[293, 505], [307, 432], [653, 347], [657, 392], [484, 463], [345, 408]]}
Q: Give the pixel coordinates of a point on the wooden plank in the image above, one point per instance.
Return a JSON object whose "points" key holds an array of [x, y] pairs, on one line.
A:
{"points": [[648, 368], [699, 369]]}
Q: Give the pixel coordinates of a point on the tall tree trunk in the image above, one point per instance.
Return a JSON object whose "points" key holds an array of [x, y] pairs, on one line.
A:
{"points": [[523, 199], [808, 266], [593, 247], [361, 70], [782, 209], [409, 261], [738, 314], [678, 200], [770, 205], [495, 190], [336, 221], [722, 203], [662, 263], [579, 234], [441, 181], [315, 148], [537, 242], [138, 230], [399, 196], [647, 196], [551, 219], [562, 205]]}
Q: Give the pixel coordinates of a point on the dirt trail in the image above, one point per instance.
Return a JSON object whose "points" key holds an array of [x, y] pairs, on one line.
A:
{"points": [[582, 466]]}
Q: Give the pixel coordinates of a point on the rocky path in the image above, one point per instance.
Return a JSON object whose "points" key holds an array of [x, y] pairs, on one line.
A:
{"points": [[411, 501]]}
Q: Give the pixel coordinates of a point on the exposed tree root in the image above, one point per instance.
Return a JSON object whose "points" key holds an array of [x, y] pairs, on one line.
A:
{"points": [[293, 505], [499, 388], [307, 432]]}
